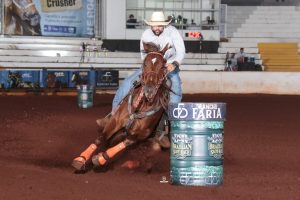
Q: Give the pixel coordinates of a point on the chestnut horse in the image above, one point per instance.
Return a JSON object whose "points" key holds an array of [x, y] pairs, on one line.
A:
{"points": [[136, 117], [21, 18]]}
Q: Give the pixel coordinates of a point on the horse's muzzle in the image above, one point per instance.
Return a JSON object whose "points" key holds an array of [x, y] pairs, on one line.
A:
{"points": [[150, 92]]}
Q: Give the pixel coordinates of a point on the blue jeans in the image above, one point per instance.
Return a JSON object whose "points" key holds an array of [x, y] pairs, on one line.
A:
{"points": [[124, 89]]}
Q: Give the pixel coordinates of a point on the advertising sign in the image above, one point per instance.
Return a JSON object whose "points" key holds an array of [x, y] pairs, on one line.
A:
{"points": [[74, 18], [107, 78]]}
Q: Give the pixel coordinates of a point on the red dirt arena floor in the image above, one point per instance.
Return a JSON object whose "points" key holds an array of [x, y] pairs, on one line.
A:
{"points": [[40, 135]]}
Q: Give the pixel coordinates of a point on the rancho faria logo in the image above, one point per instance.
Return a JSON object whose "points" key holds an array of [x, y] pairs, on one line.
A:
{"points": [[181, 146], [199, 111]]}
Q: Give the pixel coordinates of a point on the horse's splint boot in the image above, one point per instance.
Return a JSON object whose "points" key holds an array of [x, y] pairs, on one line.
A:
{"points": [[102, 158]]}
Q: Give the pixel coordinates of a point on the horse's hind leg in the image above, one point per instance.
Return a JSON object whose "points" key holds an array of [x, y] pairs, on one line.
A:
{"points": [[155, 148], [103, 157], [162, 132], [148, 160]]}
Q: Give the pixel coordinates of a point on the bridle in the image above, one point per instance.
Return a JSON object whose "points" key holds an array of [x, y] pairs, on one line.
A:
{"points": [[145, 74]]}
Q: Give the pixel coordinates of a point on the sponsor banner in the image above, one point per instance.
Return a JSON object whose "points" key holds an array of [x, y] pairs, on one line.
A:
{"points": [[107, 78], [79, 78], [57, 79], [74, 18], [25, 79]]}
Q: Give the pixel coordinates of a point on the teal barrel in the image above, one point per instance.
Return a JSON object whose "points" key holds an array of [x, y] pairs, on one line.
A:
{"points": [[85, 96], [197, 131]]}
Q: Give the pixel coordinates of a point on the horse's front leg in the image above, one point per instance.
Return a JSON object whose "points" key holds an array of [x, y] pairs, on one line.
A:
{"points": [[103, 157], [80, 163]]}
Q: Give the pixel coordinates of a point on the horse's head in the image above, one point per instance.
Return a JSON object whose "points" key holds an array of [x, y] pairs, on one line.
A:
{"points": [[154, 70], [26, 10]]}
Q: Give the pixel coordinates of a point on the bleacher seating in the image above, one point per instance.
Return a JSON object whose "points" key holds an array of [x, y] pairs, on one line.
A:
{"points": [[280, 56], [45, 52], [265, 24]]}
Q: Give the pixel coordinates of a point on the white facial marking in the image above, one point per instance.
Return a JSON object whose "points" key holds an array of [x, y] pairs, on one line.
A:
{"points": [[154, 60]]}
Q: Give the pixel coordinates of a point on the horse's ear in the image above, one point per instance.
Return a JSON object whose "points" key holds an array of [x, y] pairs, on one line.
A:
{"points": [[163, 51], [150, 47]]}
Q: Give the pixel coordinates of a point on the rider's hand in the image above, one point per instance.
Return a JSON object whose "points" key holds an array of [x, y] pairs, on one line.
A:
{"points": [[170, 67]]}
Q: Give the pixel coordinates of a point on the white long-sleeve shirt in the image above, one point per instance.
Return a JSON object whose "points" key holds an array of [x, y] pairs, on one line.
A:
{"points": [[170, 36]]}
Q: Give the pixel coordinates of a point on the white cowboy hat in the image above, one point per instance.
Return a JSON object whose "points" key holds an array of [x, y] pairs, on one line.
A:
{"points": [[157, 19]]}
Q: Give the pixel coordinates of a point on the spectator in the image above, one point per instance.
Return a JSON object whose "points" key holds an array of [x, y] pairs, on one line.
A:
{"points": [[192, 22], [131, 21], [233, 63], [240, 56], [230, 62], [209, 21]]}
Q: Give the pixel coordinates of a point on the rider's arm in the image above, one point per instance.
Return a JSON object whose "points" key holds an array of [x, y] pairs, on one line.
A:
{"points": [[178, 45]]}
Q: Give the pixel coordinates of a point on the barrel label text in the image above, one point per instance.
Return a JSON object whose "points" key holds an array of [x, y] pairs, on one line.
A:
{"points": [[215, 145], [181, 146]]}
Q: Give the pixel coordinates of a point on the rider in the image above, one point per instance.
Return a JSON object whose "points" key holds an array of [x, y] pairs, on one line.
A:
{"points": [[161, 34]]}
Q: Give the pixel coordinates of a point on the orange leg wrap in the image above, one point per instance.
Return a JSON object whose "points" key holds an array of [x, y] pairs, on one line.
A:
{"points": [[89, 151], [111, 152]]}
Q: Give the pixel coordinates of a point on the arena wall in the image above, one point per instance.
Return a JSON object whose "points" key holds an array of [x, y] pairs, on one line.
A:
{"points": [[241, 82]]}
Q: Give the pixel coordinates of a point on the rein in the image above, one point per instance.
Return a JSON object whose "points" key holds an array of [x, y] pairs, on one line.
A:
{"points": [[140, 115]]}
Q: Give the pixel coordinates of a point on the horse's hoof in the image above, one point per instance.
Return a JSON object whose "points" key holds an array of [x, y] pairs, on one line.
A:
{"points": [[79, 163], [148, 167]]}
